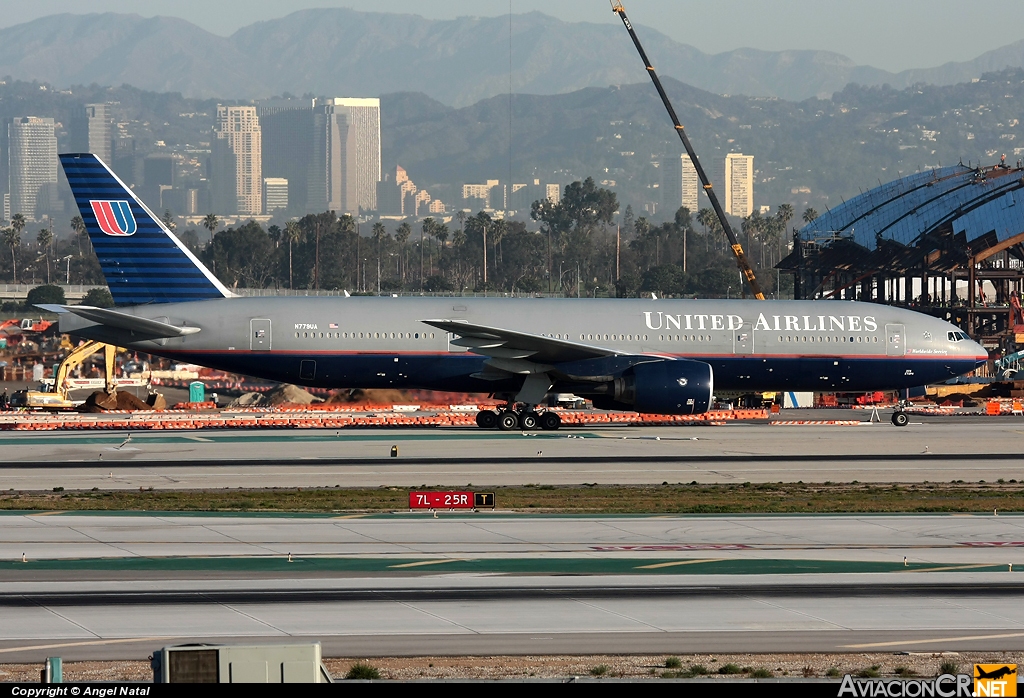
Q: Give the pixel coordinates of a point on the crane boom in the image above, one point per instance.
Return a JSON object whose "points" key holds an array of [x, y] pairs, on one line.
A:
{"points": [[737, 248]]}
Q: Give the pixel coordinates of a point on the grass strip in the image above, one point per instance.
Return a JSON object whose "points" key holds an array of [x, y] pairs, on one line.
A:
{"points": [[693, 498]]}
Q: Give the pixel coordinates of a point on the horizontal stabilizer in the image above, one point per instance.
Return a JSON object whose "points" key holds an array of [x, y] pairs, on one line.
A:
{"points": [[122, 321]]}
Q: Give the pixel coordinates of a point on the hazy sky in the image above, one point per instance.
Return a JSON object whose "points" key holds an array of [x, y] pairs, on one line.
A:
{"points": [[890, 34]]}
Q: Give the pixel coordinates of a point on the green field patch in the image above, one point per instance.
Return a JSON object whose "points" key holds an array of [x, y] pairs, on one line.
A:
{"points": [[668, 499]]}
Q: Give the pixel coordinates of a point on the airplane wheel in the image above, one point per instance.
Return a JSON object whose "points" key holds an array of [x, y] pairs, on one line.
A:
{"points": [[486, 419], [549, 421], [900, 419], [507, 421], [528, 421]]}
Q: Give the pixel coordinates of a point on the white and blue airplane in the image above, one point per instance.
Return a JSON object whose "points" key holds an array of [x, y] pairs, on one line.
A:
{"points": [[654, 356]]}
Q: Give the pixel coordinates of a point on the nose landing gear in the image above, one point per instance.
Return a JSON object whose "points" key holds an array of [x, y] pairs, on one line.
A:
{"points": [[899, 417]]}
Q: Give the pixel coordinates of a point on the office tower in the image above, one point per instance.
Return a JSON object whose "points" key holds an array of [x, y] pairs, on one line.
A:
{"points": [[360, 148], [90, 131], [553, 193], [679, 183], [287, 127], [340, 163], [157, 176], [236, 161], [275, 194], [180, 201], [739, 184], [32, 162], [478, 196], [125, 164]]}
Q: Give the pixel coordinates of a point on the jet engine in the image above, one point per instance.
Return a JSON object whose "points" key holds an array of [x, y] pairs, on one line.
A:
{"points": [[669, 386]]}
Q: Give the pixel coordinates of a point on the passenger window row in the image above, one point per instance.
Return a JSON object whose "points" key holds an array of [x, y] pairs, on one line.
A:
{"points": [[364, 335], [827, 338]]}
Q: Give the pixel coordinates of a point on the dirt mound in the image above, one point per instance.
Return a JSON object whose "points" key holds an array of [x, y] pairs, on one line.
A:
{"points": [[248, 400], [121, 400], [292, 394]]}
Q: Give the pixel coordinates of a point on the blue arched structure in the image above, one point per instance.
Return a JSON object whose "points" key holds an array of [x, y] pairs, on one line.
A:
{"points": [[935, 226]]}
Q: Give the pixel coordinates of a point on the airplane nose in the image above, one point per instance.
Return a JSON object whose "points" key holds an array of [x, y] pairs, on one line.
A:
{"points": [[979, 352]]}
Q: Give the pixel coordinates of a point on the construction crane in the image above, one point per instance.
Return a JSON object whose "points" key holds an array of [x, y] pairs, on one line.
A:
{"points": [[737, 248]]}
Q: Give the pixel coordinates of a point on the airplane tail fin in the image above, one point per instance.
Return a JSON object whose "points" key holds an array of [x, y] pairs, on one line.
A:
{"points": [[141, 259]]}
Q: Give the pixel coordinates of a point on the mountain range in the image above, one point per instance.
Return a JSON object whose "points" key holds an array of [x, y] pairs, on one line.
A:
{"points": [[457, 62]]}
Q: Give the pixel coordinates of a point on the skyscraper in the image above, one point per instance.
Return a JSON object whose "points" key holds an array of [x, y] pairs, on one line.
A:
{"points": [[739, 184], [340, 153], [360, 149], [237, 167], [32, 162], [287, 127], [275, 194], [679, 183], [89, 130]]}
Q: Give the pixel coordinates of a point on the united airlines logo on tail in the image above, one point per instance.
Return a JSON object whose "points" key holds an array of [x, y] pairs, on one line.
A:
{"points": [[114, 217]]}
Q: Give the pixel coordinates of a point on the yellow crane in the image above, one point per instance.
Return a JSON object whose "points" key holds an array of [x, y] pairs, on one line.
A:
{"points": [[737, 248]]}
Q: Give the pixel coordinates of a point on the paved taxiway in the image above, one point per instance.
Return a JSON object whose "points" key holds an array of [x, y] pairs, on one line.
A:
{"points": [[119, 586], [933, 449]]}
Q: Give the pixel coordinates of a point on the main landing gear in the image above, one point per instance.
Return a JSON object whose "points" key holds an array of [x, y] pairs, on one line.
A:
{"points": [[526, 418]]}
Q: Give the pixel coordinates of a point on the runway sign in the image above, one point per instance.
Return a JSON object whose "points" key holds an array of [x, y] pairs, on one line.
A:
{"points": [[451, 500]]}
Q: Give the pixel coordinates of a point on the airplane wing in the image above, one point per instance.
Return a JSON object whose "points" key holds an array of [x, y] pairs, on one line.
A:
{"points": [[122, 321], [519, 352]]}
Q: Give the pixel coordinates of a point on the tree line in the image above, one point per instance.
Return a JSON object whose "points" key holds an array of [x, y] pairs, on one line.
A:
{"points": [[579, 250]]}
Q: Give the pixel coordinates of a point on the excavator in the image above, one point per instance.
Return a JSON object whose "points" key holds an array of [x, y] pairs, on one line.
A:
{"points": [[737, 248], [60, 397]]}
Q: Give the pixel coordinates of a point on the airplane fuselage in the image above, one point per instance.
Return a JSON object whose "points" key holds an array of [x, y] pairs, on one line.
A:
{"points": [[382, 342]]}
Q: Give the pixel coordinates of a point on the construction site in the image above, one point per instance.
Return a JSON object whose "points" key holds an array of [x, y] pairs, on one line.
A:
{"points": [[947, 242]]}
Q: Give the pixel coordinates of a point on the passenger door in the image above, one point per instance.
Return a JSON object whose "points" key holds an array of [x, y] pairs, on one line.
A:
{"points": [[259, 335], [743, 340], [895, 340]]}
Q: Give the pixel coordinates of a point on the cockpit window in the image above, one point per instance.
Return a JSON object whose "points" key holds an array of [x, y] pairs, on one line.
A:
{"points": [[957, 336], [951, 336]]}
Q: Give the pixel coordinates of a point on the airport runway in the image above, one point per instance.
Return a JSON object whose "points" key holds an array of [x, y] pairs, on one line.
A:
{"points": [[934, 449], [120, 586]]}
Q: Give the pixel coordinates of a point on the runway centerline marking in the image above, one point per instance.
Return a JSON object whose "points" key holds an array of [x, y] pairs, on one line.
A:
{"points": [[677, 563], [962, 638], [427, 562]]}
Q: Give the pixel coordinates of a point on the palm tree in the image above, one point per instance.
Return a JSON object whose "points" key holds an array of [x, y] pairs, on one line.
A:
{"points": [[426, 229], [809, 215], [784, 214], [402, 235], [378, 232], [210, 222], [78, 225], [18, 222], [45, 240], [292, 232], [12, 238]]}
